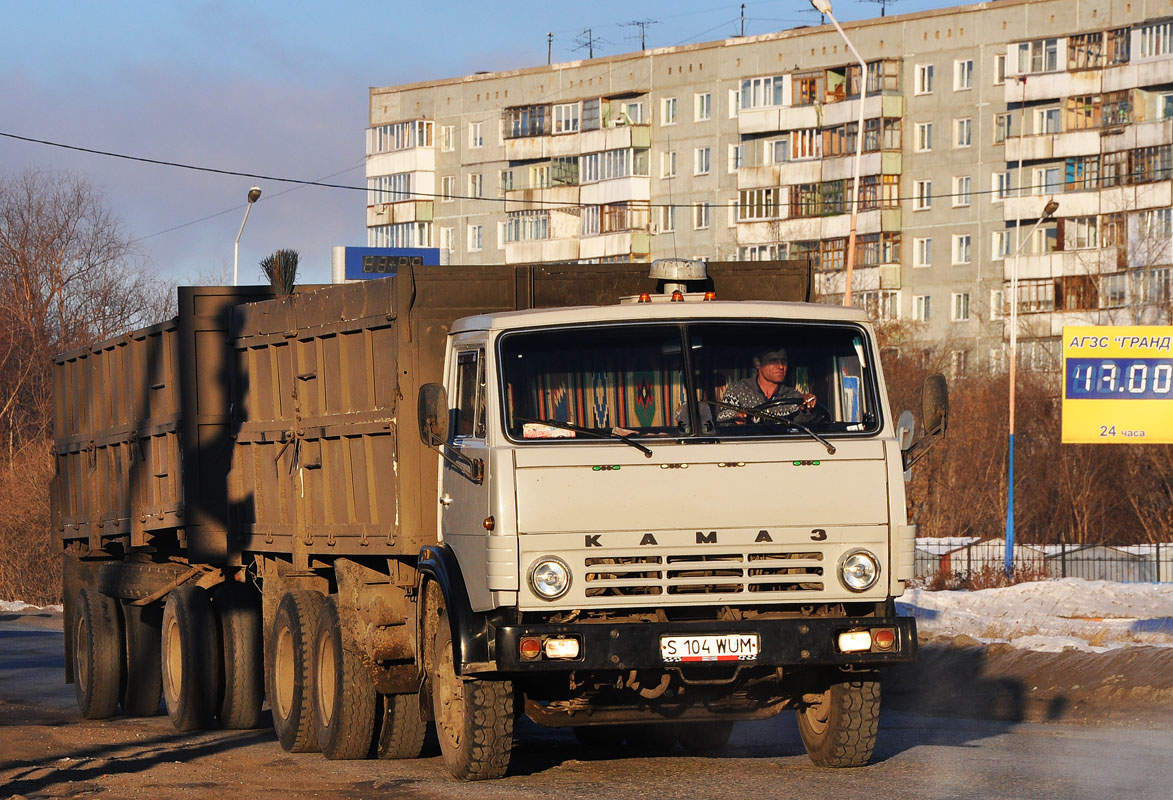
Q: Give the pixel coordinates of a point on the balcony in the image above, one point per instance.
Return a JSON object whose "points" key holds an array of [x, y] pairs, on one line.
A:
{"points": [[1040, 147], [403, 211], [537, 148], [1060, 263], [876, 105], [763, 177], [607, 245], [536, 199], [1139, 74], [413, 159], [888, 162], [616, 190], [542, 250], [1052, 85], [863, 279]]}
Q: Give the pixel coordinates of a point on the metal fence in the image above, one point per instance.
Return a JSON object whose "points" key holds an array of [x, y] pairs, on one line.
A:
{"points": [[965, 557]]}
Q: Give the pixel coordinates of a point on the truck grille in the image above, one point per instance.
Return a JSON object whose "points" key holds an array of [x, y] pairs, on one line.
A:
{"points": [[697, 574]]}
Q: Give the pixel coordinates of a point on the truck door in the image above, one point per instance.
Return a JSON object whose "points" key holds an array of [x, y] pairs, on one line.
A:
{"points": [[464, 500]]}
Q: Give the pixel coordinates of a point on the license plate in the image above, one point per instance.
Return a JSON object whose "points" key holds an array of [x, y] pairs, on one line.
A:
{"points": [[724, 647]]}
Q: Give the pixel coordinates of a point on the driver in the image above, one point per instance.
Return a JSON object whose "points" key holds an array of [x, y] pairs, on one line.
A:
{"points": [[767, 385]]}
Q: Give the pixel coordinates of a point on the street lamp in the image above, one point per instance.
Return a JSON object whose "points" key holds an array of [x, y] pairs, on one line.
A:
{"points": [[1048, 211], [253, 195], [824, 7]]}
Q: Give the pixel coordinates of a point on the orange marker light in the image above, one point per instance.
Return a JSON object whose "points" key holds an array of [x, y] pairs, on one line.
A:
{"points": [[644, 297], [489, 523], [530, 647], [710, 295], [883, 638], [678, 296]]}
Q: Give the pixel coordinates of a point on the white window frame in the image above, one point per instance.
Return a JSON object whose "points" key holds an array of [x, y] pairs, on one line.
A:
{"points": [[703, 106], [922, 252], [922, 307], [923, 143], [668, 111], [923, 79], [999, 186], [447, 188], [701, 218], [999, 245], [997, 304], [447, 138], [962, 249], [922, 195], [959, 307], [448, 238], [702, 162], [668, 164], [1041, 182], [962, 74], [963, 132], [667, 218], [962, 191], [476, 135], [999, 69], [476, 184], [567, 118], [736, 157], [476, 238], [1047, 121]]}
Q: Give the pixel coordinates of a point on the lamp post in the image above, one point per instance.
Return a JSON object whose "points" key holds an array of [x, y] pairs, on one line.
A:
{"points": [[824, 7], [1048, 211], [253, 195]]}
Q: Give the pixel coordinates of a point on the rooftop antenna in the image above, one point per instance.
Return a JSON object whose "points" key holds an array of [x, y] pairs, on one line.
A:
{"points": [[549, 48], [882, 3], [642, 24], [587, 41]]}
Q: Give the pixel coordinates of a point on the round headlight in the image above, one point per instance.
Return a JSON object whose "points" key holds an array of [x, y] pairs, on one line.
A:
{"points": [[550, 578], [859, 570]]}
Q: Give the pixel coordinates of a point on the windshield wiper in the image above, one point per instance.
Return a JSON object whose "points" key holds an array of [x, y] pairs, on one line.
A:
{"points": [[767, 414], [613, 433]]}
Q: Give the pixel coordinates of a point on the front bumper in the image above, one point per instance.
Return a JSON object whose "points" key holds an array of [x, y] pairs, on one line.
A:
{"points": [[635, 645]]}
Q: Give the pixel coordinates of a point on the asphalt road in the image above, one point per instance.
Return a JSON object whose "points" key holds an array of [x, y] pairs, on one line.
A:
{"points": [[46, 750]]}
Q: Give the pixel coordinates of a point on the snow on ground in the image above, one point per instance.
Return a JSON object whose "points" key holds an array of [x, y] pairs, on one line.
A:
{"points": [[1050, 616]]}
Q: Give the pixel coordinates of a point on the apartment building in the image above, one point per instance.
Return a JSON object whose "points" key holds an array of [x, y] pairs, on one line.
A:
{"points": [[975, 118]]}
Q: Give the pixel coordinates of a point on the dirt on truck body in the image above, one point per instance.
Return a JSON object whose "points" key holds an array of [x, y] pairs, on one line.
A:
{"points": [[456, 495]]}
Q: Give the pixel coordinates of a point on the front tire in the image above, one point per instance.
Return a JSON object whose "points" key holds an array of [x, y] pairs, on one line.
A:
{"points": [[474, 718], [98, 654], [343, 692], [839, 724], [191, 659]]}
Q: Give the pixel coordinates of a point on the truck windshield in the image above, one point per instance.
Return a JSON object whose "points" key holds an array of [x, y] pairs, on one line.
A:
{"points": [[712, 379]]}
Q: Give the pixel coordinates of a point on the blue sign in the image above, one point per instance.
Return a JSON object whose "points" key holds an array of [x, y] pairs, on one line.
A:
{"points": [[379, 262]]}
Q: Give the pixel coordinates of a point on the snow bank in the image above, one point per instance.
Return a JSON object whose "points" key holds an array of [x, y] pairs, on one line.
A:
{"points": [[18, 607], [1050, 616]]}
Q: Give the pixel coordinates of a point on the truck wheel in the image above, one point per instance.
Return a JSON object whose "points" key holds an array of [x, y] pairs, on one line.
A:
{"points": [[839, 725], [191, 658], [143, 628], [343, 692], [97, 654], [239, 613], [474, 718], [288, 675], [403, 728], [705, 738]]}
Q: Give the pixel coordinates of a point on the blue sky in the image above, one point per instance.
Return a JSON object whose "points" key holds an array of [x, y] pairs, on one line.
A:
{"points": [[280, 89]]}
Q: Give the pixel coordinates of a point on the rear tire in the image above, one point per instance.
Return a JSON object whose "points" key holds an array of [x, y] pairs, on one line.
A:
{"points": [[98, 654], [839, 725], [143, 629], [474, 718], [343, 692], [190, 658], [288, 670], [403, 728], [239, 613]]}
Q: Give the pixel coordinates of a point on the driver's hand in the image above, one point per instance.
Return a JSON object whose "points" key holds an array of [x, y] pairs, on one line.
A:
{"points": [[809, 400]]}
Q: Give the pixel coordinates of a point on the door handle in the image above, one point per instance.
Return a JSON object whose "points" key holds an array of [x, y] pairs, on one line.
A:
{"points": [[446, 499]]}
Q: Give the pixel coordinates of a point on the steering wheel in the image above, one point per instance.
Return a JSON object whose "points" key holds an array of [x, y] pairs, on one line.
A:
{"points": [[818, 413]]}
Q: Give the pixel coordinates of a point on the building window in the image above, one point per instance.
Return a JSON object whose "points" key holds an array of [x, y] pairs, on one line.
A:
{"points": [[704, 106], [999, 245], [996, 304], [1036, 295], [448, 138], [962, 75], [999, 69], [702, 161], [667, 218], [1157, 283], [922, 195], [1080, 233], [1047, 180], [476, 238], [962, 132], [922, 307], [960, 307], [924, 137], [567, 118], [999, 186], [756, 204], [736, 156], [832, 254], [668, 164], [590, 220], [476, 136], [447, 239], [1081, 173], [527, 226], [961, 191], [447, 188], [1041, 55], [765, 92], [1002, 127], [962, 248], [1046, 120], [924, 79], [922, 252], [808, 88], [806, 143], [399, 136], [959, 362], [668, 111], [1114, 290], [777, 151], [505, 181], [476, 185], [1151, 163], [389, 188], [1156, 40], [700, 216], [1156, 223]]}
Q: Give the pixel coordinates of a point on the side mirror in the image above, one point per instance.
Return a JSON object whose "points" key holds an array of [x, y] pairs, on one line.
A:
{"points": [[905, 427], [433, 414], [935, 405]]}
